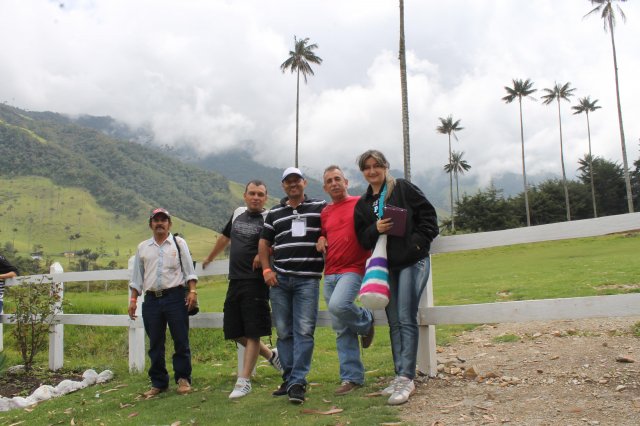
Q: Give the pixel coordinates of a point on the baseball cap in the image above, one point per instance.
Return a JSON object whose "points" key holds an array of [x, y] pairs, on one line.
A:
{"points": [[292, 171], [158, 211]]}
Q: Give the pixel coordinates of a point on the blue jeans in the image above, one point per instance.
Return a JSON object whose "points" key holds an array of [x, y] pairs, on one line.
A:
{"points": [[348, 320], [157, 313], [294, 303], [406, 287]]}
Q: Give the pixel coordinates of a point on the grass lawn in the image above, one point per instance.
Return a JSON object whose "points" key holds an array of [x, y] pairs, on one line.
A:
{"points": [[581, 267]]}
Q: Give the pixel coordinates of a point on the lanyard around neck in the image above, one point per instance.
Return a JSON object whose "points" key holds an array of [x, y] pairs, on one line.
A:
{"points": [[383, 193]]}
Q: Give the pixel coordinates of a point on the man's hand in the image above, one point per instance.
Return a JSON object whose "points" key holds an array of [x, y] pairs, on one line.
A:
{"points": [[256, 263], [322, 245], [133, 305], [270, 278], [191, 300]]}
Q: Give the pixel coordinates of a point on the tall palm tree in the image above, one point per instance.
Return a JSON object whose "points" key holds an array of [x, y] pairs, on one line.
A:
{"points": [[406, 146], [556, 93], [457, 166], [605, 9], [521, 89], [299, 62], [449, 127], [586, 105]]}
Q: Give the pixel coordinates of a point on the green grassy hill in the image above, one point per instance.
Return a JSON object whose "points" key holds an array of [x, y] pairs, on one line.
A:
{"points": [[35, 211], [123, 177]]}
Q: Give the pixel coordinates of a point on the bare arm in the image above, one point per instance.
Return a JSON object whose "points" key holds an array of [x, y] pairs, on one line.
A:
{"points": [[221, 243], [8, 275], [133, 304], [264, 252]]}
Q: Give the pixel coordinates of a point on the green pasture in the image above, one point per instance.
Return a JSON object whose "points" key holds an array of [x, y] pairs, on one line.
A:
{"points": [[33, 211], [571, 268]]}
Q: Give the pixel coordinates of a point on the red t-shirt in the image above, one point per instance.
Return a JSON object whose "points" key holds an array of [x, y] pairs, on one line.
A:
{"points": [[344, 253]]}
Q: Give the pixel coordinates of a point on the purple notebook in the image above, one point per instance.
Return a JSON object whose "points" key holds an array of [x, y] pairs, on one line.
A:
{"points": [[399, 217]]}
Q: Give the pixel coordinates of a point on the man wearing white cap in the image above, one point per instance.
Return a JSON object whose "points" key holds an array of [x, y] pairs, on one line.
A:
{"points": [[292, 229], [161, 270]]}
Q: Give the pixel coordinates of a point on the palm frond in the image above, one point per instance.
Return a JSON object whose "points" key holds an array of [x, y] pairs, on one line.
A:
{"points": [[520, 89], [448, 126], [300, 58], [558, 92], [586, 105]]}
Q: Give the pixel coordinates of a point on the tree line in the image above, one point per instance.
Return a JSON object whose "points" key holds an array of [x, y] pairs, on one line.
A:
{"points": [[489, 210]]}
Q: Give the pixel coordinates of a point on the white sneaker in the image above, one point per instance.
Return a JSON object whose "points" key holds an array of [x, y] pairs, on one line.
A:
{"points": [[242, 388], [404, 389], [389, 390], [275, 360]]}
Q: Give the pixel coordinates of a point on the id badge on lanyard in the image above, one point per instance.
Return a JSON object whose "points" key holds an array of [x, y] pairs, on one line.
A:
{"points": [[298, 226]]}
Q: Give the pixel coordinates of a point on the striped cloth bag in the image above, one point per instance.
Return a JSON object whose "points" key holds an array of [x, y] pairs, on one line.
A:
{"points": [[374, 291]]}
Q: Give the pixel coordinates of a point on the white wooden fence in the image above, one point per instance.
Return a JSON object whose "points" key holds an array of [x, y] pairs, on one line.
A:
{"points": [[428, 316]]}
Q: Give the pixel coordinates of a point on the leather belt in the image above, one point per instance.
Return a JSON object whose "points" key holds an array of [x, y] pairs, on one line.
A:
{"points": [[162, 293]]}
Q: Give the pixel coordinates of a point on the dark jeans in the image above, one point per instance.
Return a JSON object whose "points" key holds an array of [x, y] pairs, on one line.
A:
{"points": [[157, 313]]}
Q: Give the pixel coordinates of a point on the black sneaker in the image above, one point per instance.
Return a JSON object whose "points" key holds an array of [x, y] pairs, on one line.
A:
{"points": [[296, 393], [281, 391]]}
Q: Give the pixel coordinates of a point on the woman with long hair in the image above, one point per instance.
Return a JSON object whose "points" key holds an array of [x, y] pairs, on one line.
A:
{"points": [[408, 260]]}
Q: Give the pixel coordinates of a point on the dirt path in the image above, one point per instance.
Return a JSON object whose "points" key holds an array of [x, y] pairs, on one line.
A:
{"points": [[584, 372]]}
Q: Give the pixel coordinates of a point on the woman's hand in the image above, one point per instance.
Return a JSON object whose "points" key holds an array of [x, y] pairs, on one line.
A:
{"points": [[384, 225]]}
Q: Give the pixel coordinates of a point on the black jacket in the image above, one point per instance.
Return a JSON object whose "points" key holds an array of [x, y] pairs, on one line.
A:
{"points": [[6, 267], [422, 224]]}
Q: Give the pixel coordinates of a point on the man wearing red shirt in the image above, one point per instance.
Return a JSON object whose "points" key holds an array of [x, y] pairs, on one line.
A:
{"points": [[344, 267]]}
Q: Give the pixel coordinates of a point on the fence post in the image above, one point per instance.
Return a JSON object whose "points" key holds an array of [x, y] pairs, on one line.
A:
{"points": [[56, 331], [136, 334], [427, 360]]}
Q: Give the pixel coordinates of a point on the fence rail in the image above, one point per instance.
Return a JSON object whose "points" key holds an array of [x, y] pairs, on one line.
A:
{"points": [[428, 315]]}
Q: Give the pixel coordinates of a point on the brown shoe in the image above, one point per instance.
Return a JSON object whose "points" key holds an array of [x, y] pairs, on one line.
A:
{"points": [[346, 387], [184, 387], [153, 392], [367, 339]]}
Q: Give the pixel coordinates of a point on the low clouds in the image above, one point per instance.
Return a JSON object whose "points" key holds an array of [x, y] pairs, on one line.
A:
{"points": [[207, 74]]}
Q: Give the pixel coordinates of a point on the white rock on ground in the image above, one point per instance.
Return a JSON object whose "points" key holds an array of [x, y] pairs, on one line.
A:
{"points": [[46, 392]]}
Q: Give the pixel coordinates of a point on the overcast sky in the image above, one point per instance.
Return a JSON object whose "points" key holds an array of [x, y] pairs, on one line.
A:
{"points": [[206, 73]]}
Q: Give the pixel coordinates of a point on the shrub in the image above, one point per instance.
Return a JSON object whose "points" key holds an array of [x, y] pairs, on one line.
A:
{"points": [[36, 307]]}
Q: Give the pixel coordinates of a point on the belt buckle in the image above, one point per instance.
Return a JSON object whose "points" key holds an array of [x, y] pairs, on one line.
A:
{"points": [[157, 293]]}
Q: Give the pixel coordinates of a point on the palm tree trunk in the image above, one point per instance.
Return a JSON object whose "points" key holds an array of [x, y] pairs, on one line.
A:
{"points": [[524, 170], [564, 175], [405, 99], [593, 188], [297, 113], [457, 189], [625, 164], [453, 223]]}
